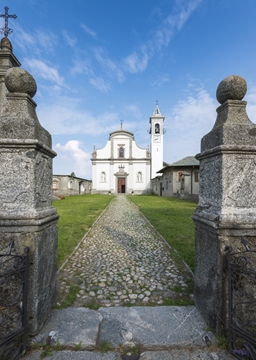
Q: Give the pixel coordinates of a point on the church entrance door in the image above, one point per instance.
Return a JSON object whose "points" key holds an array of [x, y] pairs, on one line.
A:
{"points": [[121, 185]]}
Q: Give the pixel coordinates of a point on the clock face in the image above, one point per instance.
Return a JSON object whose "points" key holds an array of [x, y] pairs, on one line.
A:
{"points": [[157, 138]]}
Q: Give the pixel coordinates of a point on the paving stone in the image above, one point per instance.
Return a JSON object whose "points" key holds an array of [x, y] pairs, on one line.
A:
{"points": [[70, 327], [75, 355], [185, 354], [153, 327]]}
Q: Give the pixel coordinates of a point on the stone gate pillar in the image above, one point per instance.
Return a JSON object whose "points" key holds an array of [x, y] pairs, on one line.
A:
{"points": [[227, 198], [26, 212], [7, 60]]}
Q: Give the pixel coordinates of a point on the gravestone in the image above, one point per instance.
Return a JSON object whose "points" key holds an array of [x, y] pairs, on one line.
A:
{"points": [[227, 199], [26, 212]]}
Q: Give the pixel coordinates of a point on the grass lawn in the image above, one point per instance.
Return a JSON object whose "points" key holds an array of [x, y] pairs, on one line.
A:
{"points": [[171, 217], [77, 214]]}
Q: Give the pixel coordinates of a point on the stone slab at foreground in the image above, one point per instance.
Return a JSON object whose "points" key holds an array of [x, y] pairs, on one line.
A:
{"points": [[185, 354], [76, 355], [172, 333], [174, 354], [153, 327], [70, 327]]}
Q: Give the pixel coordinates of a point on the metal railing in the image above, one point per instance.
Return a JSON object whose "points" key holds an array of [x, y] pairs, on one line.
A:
{"points": [[13, 303], [242, 302]]}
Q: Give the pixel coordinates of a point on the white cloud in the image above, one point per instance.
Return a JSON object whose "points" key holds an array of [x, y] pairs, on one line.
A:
{"points": [[136, 62], [187, 122], [184, 11], [113, 69], [195, 113], [28, 40], [192, 118], [66, 115], [43, 41], [44, 71], [161, 80], [82, 67], [70, 41], [100, 84], [251, 106], [133, 110], [89, 31], [74, 158], [46, 40]]}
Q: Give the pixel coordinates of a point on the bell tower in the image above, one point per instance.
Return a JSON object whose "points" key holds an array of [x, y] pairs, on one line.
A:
{"points": [[156, 132]]}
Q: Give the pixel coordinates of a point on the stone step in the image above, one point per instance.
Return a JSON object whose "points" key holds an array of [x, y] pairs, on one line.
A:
{"points": [[154, 331], [173, 354]]}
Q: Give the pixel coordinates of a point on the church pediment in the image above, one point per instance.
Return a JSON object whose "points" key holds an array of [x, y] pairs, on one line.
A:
{"points": [[121, 133]]}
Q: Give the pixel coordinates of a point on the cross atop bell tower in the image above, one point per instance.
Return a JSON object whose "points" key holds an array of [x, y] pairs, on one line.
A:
{"points": [[5, 30]]}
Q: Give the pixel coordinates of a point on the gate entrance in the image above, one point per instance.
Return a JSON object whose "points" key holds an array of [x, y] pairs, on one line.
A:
{"points": [[13, 303], [242, 302], [121, 186]]}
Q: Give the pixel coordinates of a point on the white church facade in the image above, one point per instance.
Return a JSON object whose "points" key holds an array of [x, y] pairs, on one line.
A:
{"points": [[121, 166]]}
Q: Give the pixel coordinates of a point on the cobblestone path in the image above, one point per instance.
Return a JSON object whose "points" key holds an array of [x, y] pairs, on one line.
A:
{"points": [[121, 260]]}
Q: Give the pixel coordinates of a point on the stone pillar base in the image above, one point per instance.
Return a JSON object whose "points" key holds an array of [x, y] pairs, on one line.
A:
{"points": [[211, 273], [42, 239]]}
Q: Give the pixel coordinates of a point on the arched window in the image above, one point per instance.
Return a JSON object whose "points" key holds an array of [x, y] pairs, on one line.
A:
{"points": [[121, 152], [157, 128], [55, 185], [139, 176], [103, 176]]}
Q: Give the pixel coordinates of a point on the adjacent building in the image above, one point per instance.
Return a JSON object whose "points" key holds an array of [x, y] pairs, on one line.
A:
{"points": [[68, 185], [179, 179]]}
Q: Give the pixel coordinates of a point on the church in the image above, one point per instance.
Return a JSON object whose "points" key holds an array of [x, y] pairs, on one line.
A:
{"points": [[121, 166]]}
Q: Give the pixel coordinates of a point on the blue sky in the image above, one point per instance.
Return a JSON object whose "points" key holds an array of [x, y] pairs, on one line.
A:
{"points": [[99, 61]]}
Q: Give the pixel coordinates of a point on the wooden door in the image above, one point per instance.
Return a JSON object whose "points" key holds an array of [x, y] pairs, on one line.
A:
{"points": [[121, 185]]}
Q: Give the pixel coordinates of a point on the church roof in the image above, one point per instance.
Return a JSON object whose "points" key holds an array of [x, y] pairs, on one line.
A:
{"points": [[121, 131], [187, 161], [156, 114], [157, 111]]}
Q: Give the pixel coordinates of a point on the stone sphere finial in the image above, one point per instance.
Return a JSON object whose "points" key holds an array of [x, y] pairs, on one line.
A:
{"points": [[233, 87], [20, 81], [6, 44]]}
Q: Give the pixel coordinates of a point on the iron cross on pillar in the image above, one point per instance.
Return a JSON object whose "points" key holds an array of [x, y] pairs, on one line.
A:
{"points": [[5, 30]]}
